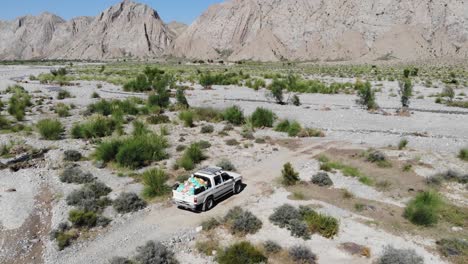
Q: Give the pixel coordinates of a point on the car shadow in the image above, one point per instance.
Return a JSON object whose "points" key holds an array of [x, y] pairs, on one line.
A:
{"points": [[222, 199]]}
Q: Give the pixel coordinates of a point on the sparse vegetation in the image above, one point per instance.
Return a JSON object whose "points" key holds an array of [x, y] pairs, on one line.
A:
{"points": [[424, 209], [234, 115], [402, 144], [97, 127], [242, 222], [128, 202], [392, 255], [242, 252], [154, 182], [290, 176], [193, 155], [366, 95], [263, 118], [302, 254], [50, 129], [463, 155]]}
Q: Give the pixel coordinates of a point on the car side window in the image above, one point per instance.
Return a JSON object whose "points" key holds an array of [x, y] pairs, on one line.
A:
{"points": [[225, 177], [218, 180]]}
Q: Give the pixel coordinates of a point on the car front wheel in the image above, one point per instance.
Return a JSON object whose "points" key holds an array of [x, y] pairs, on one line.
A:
{"points": [[238, 187]]}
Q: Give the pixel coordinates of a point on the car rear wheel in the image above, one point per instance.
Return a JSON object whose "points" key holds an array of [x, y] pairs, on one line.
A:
{"points": [[238, 187], [209, 204]]}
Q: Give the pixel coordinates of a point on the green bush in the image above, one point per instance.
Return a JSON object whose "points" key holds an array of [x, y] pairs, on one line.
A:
{"points": [[402, 144], [406, 91], [160, 99], [133, 152], [181, 99], [207, 114], [158, 119], [81, 218], [292, 128], [187, 117], [463, 155], [139, 128], [234, 115], [154, 182], [63, 94], [50, 129], [18, 102], [242, 252], [290, 176], [4, 123], [114, 107], [192, 155], [276, 91], [326, 226], [295, 100], [263, 118], [424, 209], [62, 110], [97, 127], [366, 95]]}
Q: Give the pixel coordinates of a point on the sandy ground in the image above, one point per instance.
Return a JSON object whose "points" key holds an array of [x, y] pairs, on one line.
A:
{"points": [[345, 124]]}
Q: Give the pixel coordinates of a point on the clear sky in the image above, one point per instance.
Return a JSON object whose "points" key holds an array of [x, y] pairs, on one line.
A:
{"points": [[180, 10]]}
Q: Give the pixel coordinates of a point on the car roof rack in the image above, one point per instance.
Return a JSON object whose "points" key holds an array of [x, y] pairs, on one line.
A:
{"points": [[210, 170]]}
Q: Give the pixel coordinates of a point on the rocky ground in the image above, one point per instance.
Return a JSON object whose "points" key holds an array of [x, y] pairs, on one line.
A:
{"points": [[32, 200]]}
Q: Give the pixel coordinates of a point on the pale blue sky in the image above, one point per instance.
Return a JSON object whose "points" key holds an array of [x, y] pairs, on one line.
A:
{"points": [[181, 10]]}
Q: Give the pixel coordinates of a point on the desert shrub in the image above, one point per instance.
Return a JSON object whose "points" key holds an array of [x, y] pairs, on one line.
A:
{"points": [[298, 228], [95, 95], [271, 247], [276, 91], [71, 155], [226, 164], [242, 252], [139, 128], [295, 100], [18, 102], [232, 142], [453, 247], [154, 182], [128, 202], [120, 260], [97, 127], [133, 152], [113, 107], [255, 83], [62, 110], [366, 95], [63, 235], [326, 226], [207, 129], [158, 119], [210, 224], [449, 93], [180, 148], [4, 123], [302, 254], [80, 218], [402, 144], [203, 144], [234, 115], [406, 91], [160, 99], [154, 252], [187, 117], [284, 214], [88, 197], [392, 255], [181, 99], [322, 179], [192, 155], [63, 94], [242, 222], [73, 174], [291, 127], [424, 208], [311, 132], [463, 155], [207, 247], [262, 117], [378, 157], [290, 176], [50, 129]]}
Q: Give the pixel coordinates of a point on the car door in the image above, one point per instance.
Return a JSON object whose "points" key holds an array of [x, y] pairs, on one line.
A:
{"points": [[218, 188], [227, 182]]}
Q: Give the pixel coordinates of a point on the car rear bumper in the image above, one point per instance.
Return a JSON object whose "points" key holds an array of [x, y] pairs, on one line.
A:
{"points": [[185, 205]]}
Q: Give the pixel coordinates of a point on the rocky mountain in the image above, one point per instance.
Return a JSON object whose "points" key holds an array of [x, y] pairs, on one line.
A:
{"points": [[177, 28], [267, 30], [262, 30], [127, 29]]}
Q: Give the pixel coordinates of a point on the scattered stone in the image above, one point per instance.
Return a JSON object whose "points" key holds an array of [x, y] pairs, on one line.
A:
{"points": [[11, 190], [99, 164]]}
